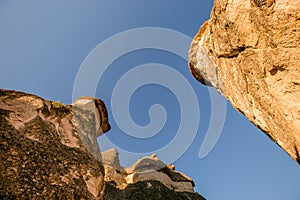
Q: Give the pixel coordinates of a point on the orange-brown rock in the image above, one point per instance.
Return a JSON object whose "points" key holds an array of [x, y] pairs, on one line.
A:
{"points": [[49, 151], [249, 50], [43, 152]]}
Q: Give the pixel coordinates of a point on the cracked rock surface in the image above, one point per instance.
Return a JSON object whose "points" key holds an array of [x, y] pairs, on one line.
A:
{"points": [[249, 50]]}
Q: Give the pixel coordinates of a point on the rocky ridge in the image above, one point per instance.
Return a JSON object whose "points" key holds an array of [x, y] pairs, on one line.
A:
{"points": [[249, 50], [49, 151]]}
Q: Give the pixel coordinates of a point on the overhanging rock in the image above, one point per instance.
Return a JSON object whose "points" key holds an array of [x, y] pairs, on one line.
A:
{"points": [[249, 50]]}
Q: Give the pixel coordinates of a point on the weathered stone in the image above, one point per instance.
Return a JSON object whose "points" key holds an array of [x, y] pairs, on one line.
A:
{"points": [[111, 157], [97, 107], [149, 175], [90, 119], [182, 186], [112, 175], [42, 156], [48, 151], [145, 169], [151, 168], [146, 163], [176, 176], [249, 50]]}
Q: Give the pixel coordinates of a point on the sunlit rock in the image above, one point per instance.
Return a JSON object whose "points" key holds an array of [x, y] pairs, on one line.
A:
{"points": [[250, 52]]}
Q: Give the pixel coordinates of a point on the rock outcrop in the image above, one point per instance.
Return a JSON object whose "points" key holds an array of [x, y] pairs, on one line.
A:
{"points": [[145, 169], [249, 50], [49, 151]]}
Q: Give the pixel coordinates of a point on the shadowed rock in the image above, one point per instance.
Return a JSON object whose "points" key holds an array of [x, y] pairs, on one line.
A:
{"points": [[147, 190]]}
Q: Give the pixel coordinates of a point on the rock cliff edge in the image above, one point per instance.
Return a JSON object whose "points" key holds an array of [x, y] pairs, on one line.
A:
{"points": [[249, 50]]}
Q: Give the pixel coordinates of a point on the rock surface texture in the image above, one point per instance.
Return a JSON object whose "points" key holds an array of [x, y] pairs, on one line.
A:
{"points": [[43, 154], [49, 151], [249, 50], [147, 190]]}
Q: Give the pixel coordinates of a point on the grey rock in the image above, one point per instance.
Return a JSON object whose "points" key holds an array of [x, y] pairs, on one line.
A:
{"points": [[111, 158], [146, 163]]}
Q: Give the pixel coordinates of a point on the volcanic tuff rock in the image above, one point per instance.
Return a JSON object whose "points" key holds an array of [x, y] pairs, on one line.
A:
{"points": [[49, 151], [249, 50], [145, 169]]}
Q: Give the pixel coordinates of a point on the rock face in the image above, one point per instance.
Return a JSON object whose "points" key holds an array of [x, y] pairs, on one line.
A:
{"points": [[249, 50], [42, 155], [89, 118], [49, 151]]}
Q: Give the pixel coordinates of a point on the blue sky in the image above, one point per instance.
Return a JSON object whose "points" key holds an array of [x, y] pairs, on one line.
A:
{"points": [[44, 43]]}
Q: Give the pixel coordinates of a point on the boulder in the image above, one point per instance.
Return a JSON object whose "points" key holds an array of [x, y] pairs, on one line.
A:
{"points": [[146, 163], [97, 107], [177, 176], [111, 157]]}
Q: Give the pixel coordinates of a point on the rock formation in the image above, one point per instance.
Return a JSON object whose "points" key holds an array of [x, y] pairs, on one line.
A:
{"points": [[145, 169], [49, 151], [249, 50], [43, 154]]}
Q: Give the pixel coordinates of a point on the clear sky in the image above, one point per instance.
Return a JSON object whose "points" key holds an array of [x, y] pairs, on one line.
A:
{"points": [[44, 43]]}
